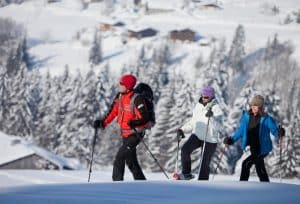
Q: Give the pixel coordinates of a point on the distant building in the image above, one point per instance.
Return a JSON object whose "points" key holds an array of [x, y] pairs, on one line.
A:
{"points": [[119, 24], [183, 35], [148, 32], [53, 1], [104, 27], [15, 153], [211, 6]]}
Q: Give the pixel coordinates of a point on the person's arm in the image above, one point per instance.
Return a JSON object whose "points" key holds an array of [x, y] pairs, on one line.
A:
{"points": [[112, 113], [188, 126], [273, 128], [239, 132]]}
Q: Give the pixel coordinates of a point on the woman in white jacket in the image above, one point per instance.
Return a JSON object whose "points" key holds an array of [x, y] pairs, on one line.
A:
{"points": [[207, 107]]}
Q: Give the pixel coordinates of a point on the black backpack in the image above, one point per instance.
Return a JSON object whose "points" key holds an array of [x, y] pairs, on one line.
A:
{"points": [[147, 93]]}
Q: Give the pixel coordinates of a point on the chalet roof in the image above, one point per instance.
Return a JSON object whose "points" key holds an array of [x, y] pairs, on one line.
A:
{"points": [[184, 30], [13, 148]]}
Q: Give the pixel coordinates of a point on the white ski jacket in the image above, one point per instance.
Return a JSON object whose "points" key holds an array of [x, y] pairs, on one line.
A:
{"points": [[198, 123]]}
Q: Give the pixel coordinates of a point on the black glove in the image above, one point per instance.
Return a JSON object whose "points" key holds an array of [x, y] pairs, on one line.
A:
{"points": [[131, 123], [98, 123], [228, 141], [209, 113], [281, 131], [180, 134]]}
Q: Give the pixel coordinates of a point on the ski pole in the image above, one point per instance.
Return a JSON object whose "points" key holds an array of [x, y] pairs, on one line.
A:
{"points": [[147, 148], [93, 147], [219, 161], [280, 157], [203, 148], [281, 134], [175, 174], [177, 155]]}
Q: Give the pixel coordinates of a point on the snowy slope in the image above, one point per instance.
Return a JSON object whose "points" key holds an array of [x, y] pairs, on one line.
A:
{"points": [[70, 187], [52, 29]]}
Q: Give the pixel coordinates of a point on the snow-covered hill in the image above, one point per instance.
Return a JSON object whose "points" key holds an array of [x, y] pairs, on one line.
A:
{"points": [[56, 112], [61, 33]]}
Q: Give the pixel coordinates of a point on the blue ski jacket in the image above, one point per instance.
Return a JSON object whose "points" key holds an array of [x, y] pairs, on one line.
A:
{"points": [[267, 126]]}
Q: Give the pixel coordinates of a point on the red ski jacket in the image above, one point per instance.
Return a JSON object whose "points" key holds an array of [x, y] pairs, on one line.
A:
{"points": [[128, 107]]}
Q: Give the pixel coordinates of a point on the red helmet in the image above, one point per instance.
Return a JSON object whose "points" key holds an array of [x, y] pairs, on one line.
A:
{"points": [[128, 81]]}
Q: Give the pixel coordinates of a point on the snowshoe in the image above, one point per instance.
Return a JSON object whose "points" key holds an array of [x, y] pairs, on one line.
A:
{"points": [[177, 176]]}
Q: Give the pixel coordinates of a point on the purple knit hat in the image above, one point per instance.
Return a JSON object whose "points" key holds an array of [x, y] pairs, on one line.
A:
{"points": [[208, 91]]}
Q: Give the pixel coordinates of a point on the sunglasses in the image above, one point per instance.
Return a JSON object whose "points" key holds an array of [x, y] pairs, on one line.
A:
{"points": [[121, 84], [206, 97]]}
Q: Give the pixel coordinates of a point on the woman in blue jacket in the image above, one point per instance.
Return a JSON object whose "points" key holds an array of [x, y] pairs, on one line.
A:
{"points": [[255, 128]]}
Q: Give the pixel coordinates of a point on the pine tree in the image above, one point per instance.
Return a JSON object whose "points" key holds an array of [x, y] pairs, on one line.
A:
{"points": [[33, 97], [4, 97], [155, 141], [286, 164], [95, 56], [19, 116], [106, 89], [237, 50], [180, 113], [14, 62]]}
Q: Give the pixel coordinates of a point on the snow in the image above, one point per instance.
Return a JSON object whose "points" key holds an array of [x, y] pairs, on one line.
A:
{"points": [[51, 29], [72, 187], [13, 148]]}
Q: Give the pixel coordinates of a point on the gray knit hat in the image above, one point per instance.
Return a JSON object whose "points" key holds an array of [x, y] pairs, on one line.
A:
{"points": [[257, 100]]}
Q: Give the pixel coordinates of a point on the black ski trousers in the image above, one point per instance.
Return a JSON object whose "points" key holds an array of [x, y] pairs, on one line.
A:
{"points": [[191, 144], [127, 154], [258, 161]]}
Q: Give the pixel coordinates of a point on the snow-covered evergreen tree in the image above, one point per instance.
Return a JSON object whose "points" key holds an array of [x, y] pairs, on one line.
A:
{"points": [[237, 50], [4, 97], [19, 117], [157, 141], [34, 97], [180, 112], [46, 115], [95, 55]]}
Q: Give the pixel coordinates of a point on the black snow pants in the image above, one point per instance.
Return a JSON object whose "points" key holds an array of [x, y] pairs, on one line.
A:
{"points": [[127, 154], [191, 144], [258, 161]]}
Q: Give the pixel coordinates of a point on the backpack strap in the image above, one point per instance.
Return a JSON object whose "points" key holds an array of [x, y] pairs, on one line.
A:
{"points": [[132, 99]]}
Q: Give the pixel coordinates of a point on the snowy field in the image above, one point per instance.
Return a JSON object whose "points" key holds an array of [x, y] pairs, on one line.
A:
{"points": [[28, 186]]}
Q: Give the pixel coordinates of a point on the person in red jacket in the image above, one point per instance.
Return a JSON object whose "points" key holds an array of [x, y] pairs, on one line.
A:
{"points": [[132, 116]]}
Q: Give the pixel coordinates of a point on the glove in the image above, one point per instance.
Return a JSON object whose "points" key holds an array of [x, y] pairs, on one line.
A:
{"points": [[209, 113], [180, 134], [131, 124], [228, 141], [98, 123], [281, 131]]}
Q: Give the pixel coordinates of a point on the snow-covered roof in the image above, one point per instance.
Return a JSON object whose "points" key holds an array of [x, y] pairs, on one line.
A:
{"points": [[13, 148], [158, 4]]}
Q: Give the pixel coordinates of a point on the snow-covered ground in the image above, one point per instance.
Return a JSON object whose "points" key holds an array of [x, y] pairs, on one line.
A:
{"points": [[71, 187], [51, 29]]}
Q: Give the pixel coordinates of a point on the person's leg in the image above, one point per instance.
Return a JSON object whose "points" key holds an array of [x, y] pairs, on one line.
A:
{"points": [[208, 152], [261, 169], [246, 166], [133, 165], [131, 157], [119, 164], [189, 146]]}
